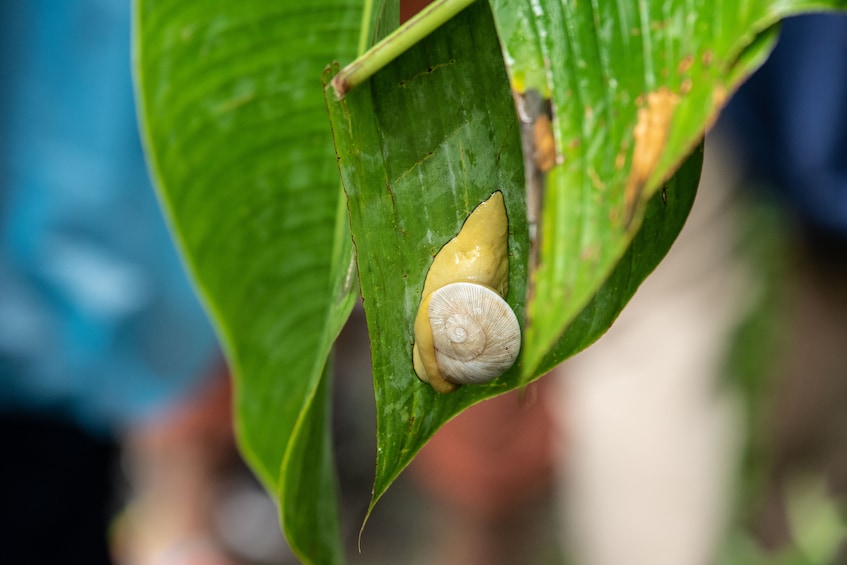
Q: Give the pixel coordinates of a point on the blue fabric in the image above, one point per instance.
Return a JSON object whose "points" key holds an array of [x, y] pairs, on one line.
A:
{"points": [[97, 320], [792, 117]]}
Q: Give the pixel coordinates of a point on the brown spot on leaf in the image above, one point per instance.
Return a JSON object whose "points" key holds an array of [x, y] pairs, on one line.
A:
{"points": [[650, 134], [614, 214], [596, 181], [589, 253], [340, 87], [719, 96], [707, 58], [544, 144], [685, 64], [535, 114], [685, 87]]}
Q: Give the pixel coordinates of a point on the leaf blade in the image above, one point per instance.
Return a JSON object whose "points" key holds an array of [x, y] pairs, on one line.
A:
{"points": [[384, 157], [611, 70], [396, 158], [234, 125]]}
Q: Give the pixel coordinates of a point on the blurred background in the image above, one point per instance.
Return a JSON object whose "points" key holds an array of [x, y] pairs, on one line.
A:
{"points": [[708, 426]]}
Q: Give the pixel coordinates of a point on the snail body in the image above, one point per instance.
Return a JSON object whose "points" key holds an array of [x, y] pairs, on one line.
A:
{"points": [[465, 332]]}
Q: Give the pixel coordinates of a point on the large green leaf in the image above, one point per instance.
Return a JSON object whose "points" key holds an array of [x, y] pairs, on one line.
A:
{"points": [[629, 87], [235, 128], [624, 92], [412, 176]]}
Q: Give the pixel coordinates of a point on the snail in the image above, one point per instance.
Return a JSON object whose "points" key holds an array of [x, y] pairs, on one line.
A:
{"points": [[465, 331]]}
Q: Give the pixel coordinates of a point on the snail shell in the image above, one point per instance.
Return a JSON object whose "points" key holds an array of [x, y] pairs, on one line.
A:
{"points": [[474, 331], [465, 332]]}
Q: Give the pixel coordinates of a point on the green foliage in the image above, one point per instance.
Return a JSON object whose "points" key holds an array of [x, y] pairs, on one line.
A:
{"points": [[612, 98], [607, 69], [412, 178], [235, 128]]}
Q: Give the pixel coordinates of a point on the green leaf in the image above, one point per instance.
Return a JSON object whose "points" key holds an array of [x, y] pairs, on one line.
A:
{"points": [[412, 176], [229, 100], [625, 94], [601, 70], [664, 217], [235, 128]]}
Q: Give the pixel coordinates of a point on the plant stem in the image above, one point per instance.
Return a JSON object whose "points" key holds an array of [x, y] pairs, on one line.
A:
{"points": [[407, 35]]}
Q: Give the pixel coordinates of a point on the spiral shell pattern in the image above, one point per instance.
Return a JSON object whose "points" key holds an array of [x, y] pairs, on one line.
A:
{"points": [[475, 333]]}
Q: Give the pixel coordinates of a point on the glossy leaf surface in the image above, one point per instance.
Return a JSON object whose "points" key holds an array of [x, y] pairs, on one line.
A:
{"points": [[611, 98], [433, 134], [235, 127], [627, 89]]}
